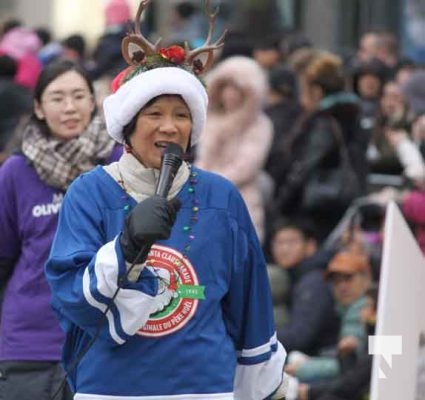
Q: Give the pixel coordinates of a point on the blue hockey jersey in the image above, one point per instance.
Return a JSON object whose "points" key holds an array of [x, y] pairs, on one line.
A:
{"points": [[214, 338]]}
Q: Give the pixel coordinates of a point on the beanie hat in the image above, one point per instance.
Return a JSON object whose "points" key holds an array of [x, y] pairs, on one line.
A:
{"points": [[348, 262], [117, 12], [123, 105]]}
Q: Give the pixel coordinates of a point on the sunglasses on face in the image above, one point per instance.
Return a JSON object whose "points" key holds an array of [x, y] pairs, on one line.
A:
{"points": [[338, 278]]}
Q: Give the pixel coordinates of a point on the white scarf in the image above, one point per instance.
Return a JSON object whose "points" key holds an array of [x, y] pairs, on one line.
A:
{"points": [[140, 182]]}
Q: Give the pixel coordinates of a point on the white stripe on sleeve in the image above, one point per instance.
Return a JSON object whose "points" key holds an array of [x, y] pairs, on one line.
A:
{"points": [[257, 381], [134, 306]]}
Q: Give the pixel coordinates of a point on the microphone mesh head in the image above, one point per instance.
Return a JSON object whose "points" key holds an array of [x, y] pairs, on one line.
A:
{"points": [[174, 148], [173, 155]]}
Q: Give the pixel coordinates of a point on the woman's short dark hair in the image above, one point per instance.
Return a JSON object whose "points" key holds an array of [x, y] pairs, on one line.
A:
{"points": [[129, 129]]}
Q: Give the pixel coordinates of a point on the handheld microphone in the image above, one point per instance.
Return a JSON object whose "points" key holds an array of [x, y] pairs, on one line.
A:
{"points": [[170, 164]]}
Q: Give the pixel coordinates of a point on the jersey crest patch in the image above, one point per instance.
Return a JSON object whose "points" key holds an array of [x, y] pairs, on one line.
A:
{"points": [[179, 283]]}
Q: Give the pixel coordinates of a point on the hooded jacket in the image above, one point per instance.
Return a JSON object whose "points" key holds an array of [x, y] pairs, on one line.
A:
{"points": [[236, 145]]}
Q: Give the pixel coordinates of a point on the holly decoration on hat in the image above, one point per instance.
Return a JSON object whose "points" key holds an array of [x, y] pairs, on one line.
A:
{"points": [[142, 55], [175, 54]]}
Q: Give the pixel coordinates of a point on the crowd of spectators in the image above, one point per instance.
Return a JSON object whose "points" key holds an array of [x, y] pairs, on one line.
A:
{"points": [[282, 115]]}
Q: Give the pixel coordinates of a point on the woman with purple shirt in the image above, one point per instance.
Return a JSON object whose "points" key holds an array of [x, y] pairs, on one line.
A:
{"points": [[62, 139]]}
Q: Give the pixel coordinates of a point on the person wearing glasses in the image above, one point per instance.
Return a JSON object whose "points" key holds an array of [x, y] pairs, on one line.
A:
{"points": [[63, 138], [349, 274]]}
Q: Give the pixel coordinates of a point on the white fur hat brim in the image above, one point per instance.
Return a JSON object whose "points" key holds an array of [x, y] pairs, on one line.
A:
{"points": [[120, 107]]}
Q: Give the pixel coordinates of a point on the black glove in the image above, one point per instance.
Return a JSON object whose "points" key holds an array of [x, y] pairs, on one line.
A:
{"points": [[151, 220]]}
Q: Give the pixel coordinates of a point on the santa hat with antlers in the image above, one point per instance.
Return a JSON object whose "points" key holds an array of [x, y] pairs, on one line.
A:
{"points": [[155, 71]]}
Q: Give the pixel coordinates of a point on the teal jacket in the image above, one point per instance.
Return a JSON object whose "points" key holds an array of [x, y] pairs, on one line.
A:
{"points": [[318, 368]]}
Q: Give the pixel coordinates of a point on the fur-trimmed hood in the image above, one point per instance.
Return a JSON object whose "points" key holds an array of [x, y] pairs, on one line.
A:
{"points": [[245, 73]]}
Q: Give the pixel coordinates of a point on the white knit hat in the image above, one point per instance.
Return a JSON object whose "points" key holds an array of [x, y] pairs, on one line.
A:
{"points": [[121, 106]]}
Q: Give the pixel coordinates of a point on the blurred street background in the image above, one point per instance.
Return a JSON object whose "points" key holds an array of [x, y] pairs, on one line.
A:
{"points": [[316, 114], [335, 25]]}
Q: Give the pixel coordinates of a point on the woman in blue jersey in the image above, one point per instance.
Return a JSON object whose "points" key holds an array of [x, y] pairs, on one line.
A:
{"points": [[192, 319], [62, 138]]}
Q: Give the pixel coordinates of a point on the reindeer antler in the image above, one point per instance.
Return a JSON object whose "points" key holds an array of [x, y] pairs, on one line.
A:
{"points": [[207, 47], [136, 49], [142, 46]]}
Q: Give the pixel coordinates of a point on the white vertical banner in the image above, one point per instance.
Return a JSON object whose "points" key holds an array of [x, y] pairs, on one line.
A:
{"points": [[398, 344]]}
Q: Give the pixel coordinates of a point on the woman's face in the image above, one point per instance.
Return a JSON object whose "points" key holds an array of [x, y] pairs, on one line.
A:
{"points": [[392, 100], [66, 105], [166, 120], [231, 97]]}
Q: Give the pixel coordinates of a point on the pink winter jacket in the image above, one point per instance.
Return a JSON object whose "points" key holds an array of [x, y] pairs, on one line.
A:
{"points": [[236, 145], [413, 206]]}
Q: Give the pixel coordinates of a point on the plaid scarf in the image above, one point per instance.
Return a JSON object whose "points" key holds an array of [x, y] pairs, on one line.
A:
{"points": [[58, 162]]}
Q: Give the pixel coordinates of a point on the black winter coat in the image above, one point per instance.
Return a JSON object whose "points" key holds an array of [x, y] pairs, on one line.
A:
{"points": [[314, 146]]}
